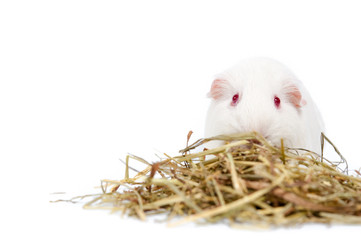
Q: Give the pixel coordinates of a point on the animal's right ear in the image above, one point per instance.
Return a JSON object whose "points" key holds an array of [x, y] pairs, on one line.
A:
{"points": [[218, 88]]}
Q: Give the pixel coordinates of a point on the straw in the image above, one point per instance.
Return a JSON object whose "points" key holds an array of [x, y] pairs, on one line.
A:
{"points": [[245, 181]]}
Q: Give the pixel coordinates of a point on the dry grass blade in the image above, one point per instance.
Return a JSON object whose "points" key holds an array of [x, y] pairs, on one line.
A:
{"points": [[247, 180]]}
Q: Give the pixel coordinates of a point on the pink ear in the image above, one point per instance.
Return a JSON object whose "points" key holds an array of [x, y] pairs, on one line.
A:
{"points": [[294, 95], [218, 88]]}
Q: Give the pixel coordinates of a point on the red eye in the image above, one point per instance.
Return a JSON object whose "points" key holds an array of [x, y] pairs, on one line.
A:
{"points": [[277, 101], [235, 99]]}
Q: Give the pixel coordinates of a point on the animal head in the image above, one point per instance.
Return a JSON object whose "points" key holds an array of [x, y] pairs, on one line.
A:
{"points": [[257, 95]]}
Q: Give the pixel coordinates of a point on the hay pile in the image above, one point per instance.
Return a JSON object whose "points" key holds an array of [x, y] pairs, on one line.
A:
{"points": [[246, 181]]}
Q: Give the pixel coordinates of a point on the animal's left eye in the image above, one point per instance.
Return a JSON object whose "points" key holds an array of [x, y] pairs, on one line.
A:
{"points": [[277, 101], [235, 99]]}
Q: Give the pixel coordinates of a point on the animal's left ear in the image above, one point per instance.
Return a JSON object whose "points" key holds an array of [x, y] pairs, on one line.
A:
{"points": [[294, 95]]}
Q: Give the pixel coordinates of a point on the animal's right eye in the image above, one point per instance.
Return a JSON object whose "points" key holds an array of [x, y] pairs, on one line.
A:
{"points": [[277, 101], [235, 99]]}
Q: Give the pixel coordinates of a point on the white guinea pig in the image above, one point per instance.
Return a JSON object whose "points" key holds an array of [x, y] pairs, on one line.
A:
{"points": [[262, 95]]}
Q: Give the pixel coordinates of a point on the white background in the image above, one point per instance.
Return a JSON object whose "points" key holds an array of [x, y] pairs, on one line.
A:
{"points": [[82, 83]]}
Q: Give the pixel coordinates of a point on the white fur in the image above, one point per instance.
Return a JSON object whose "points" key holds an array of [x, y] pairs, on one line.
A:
{"points": [[257, 81]]}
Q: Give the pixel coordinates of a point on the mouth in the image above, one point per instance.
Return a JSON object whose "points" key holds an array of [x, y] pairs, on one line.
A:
{"points": [[254, 141]]}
